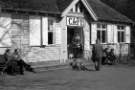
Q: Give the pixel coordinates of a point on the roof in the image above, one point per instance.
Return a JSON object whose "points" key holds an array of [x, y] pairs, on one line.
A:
{"points": [[102, 11], [44, 6]]}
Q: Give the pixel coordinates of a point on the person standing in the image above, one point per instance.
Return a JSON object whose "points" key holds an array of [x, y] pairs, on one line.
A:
{"points": [[17, 58], [6, 54], [77, 45], [97, 54]]}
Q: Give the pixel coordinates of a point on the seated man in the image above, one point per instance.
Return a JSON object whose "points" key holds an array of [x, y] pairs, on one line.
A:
{"points": [[10, 63], [2, 62], [21, 63]]}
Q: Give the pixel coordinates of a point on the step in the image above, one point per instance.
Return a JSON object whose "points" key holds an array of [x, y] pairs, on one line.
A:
{"points": [[42, 68], [47, 66], [50, 68]]}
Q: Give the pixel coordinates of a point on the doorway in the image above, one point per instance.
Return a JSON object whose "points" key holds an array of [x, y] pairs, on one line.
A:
{"points": [[75, 41]]}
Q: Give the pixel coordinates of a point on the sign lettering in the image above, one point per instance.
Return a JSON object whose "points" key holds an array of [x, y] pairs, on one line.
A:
{"points": [[75, 21]]}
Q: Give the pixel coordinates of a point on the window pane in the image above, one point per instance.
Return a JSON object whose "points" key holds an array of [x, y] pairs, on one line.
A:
{"points": [[50, 37], [101, 32], [122, 27], [104, 26], [119, 40], [51, 21], [122, 37], [76, 6], [98, 25], [103, 36], [98, 35], [118, 27], [71, 10]]}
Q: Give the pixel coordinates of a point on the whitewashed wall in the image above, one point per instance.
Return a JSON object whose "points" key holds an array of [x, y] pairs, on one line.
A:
{"points": [[120, 49], [64, 53], [25, 33], [87, 48], [20, 33], [112, 33], [39, 26]]}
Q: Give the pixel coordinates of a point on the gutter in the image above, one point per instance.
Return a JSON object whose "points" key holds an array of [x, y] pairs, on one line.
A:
{"points": [[30, 11]]}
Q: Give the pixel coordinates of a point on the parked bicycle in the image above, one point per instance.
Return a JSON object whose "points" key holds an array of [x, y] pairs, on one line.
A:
{"points": [[109, 57]]}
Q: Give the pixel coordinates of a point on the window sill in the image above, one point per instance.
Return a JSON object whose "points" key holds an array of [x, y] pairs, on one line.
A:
{"points": [[51, 45], [5, 47], [123, 43], [104, 43], [112, 43]]}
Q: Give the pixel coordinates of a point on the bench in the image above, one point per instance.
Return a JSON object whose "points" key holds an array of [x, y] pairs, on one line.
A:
{"points": [[2, 63]]}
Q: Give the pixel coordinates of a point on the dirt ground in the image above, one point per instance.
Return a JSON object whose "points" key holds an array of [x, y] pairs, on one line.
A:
{"points": [[117, 77]]}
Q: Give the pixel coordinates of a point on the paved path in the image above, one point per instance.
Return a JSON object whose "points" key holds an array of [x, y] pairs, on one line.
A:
{"points": [[109, 78]]}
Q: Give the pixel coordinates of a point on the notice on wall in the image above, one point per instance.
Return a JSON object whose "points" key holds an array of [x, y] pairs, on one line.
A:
{"points": [[74, 21]]}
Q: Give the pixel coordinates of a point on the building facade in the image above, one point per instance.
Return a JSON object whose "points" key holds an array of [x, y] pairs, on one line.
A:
{"points": [[45, 29]]}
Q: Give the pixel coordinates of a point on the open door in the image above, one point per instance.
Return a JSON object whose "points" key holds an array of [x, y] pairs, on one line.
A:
{"points": [[75, 41]]}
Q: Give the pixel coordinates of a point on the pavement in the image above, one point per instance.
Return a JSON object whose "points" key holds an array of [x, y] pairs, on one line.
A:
{"points": [[116, 77]]}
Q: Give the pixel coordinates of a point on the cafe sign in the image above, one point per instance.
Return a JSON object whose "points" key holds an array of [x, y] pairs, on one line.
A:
{"points": [[74, 21]]}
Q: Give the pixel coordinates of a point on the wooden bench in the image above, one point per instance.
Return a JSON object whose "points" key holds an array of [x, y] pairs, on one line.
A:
{"points": [[2, 63]]}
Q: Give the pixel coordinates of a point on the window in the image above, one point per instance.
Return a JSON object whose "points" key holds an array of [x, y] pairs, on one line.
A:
{"points": [[41, 35], [121, 33], [42, 31], [102, 32], [71, 10], [76, 8], [50, 37], [51, 31]]}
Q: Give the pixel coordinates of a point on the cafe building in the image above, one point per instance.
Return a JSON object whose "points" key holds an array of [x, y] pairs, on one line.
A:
{"points": [[46, 30]]}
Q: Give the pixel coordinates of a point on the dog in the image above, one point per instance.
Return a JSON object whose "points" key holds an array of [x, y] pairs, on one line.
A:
{"points": [[71, 56]]}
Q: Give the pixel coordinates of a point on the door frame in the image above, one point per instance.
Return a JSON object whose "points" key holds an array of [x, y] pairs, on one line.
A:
{"points": [[82, 37]]}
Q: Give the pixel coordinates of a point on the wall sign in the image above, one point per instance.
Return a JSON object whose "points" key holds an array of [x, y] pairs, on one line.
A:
{"points": [[74, 21]]}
